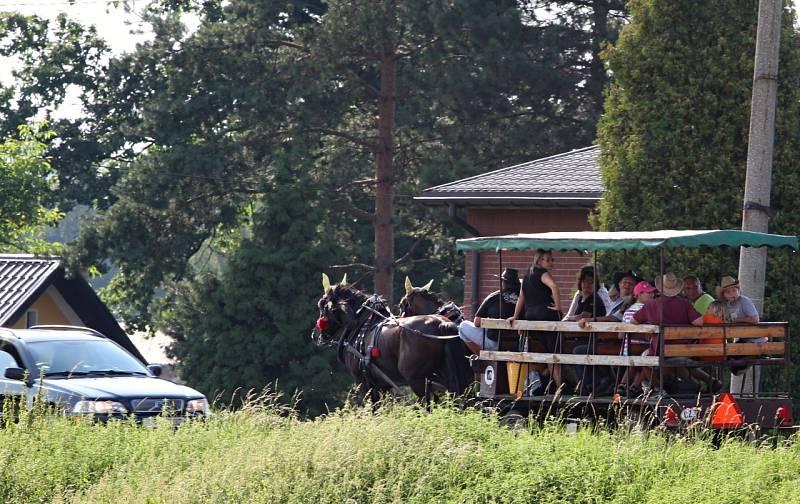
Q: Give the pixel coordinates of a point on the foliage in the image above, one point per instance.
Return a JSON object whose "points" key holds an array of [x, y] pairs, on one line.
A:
{"points": [[182, 140], [674, 135], [397, 454], [250, 321], [26, 178]]}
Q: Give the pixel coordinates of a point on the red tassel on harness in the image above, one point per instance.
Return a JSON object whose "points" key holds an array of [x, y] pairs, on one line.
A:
{"points": [[322, 324], [375, 352]]}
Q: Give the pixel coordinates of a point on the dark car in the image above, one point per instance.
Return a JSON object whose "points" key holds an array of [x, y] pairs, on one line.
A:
{"points": [[81, 372]]}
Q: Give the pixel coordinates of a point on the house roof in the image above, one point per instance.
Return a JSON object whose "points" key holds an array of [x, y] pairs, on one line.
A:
{"points": [[23, 279], [568, 179], [21, 276]]}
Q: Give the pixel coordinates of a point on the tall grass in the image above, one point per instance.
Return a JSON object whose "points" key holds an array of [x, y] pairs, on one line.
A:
{"points": [[397, 453]]}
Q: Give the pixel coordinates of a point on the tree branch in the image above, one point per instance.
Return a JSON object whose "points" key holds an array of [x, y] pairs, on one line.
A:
{"points": [[286, 43], [372, 147], [407, 256], [224, 193], [353, 210], [369, 87], [417, 49], [368, 267]]}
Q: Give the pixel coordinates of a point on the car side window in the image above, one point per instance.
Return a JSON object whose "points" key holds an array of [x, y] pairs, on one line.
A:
{"points": [[7, 360]]}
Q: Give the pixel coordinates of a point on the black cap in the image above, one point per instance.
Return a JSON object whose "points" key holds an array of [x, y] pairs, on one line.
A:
{"points": [[510, 275]]}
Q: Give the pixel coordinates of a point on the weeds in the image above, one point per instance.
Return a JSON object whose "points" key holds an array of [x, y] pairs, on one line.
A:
{"points": [[262, 452]]}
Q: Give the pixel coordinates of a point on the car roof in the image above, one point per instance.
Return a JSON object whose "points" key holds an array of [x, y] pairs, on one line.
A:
{"points": [[47, 334]]}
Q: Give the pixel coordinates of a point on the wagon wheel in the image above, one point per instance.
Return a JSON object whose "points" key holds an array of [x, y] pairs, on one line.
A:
{"points": [[516, 420]]}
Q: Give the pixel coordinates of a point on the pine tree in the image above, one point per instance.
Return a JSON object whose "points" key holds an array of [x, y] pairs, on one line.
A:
{"points": [[248, 325]]}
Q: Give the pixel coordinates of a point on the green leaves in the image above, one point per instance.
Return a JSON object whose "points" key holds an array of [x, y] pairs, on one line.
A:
{"points": [[26, 178]]}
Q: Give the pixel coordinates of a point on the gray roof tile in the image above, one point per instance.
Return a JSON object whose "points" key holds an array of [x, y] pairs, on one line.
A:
{"points": [[20, 277], [573, 175]]}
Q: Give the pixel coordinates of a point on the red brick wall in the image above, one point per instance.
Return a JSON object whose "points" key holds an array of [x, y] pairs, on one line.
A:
{"points": [[508, 221]]}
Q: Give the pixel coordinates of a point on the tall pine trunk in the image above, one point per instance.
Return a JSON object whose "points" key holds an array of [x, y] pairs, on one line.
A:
{"points": [[384, 171], [597, 70]]}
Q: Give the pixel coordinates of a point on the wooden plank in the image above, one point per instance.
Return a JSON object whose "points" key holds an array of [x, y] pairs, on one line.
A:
{"points": [[718, 350], [599, 335], [539, 325], [692, 332], [775, 330], [590, 360], [759, 331], [773, 348], [694, 350]]}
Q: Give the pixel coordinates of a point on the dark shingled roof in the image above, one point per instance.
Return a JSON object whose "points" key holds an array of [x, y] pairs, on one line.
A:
{"points": [[568, 179], [20, 278], [23, 278]]}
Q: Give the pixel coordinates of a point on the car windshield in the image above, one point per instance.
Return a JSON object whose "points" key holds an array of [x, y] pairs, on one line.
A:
{"points": [[71, 357]]}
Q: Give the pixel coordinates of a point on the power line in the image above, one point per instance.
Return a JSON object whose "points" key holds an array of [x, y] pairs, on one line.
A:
{"points": [[12, 6]]}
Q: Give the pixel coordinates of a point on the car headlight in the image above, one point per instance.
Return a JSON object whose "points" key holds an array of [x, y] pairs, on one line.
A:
{"points": [[99, 407], [197, 406]]}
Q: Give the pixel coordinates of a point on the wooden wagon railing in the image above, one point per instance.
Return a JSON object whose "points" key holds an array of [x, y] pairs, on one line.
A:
{"points": [[734, 341]]}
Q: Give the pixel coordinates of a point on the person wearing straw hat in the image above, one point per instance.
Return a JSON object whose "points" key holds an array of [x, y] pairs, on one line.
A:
{"points": [[666, 309], [675, 310], [741, 310]]}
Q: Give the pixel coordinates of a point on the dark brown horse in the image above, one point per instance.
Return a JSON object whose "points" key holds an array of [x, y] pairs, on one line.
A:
{"points": [[383, 352], [421, 301]]}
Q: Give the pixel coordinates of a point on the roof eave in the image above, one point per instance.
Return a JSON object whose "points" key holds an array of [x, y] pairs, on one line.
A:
{"points": [[538, 201]]}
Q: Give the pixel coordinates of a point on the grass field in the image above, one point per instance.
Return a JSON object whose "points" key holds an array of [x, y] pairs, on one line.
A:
{"points": [[398, 454]]}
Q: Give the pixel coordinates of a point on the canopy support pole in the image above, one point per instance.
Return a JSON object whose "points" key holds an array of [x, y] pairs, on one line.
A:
{"points": [[661, 321]]}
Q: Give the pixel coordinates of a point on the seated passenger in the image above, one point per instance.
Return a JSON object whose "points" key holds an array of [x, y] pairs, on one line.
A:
{"points": [[742, 311], [624, 282], [741, 308], [693, 290], [588, 301], [668, 309], [716, 314], [602, 374], [497, 305], [644, 292]]}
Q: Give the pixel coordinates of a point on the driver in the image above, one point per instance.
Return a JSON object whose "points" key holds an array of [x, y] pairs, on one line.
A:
{"points": [[498, 305]]}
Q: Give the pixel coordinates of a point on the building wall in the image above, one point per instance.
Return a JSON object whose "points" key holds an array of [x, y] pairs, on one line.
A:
{"points": [[499, 221], [51, 309]]}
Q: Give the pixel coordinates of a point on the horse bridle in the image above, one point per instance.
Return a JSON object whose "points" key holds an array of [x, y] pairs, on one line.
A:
{"points": [[405, 304]]}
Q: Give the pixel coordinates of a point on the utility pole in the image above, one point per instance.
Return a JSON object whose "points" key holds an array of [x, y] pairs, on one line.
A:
{"points": [[755, 216], [756, 213]]}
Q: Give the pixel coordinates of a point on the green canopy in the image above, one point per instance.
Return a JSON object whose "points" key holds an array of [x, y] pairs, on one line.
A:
{"points": [[627, 240]]}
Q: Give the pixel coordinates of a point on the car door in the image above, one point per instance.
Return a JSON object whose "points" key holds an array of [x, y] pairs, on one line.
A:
{"points": [[16, 389]]}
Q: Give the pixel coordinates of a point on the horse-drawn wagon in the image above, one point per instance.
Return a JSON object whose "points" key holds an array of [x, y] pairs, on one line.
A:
{"points": [[503, 374]]}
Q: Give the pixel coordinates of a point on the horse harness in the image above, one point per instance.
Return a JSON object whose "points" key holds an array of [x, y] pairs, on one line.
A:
{"points": [[369, 322], [451, 312], [360, 337]]}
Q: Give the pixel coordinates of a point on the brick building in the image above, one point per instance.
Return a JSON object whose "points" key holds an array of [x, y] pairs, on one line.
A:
{"points": [[550, 194]]}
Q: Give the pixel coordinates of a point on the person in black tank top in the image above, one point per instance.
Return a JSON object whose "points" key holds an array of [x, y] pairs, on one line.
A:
{"points": [[539, 299]]}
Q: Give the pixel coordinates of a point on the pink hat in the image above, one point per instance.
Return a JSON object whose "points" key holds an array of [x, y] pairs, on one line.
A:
{"points": [[643, 287]]}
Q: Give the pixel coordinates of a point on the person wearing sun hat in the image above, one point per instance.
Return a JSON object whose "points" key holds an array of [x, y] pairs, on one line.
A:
{"points": [[670, 309], [741, 308], [675, 310], [744, 379]]}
